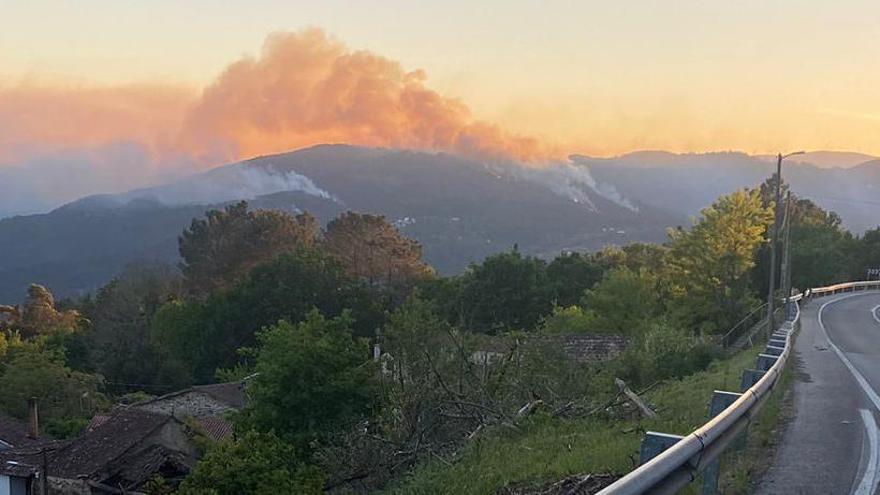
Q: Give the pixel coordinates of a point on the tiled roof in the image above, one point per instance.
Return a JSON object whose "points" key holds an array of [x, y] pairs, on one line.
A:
{"points": [[231, 393], [106, 442], [14, 468], [215, 427]]}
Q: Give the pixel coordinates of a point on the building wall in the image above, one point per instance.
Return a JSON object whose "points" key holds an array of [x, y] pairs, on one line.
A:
{"points": [[172, 436], [13, 485]]}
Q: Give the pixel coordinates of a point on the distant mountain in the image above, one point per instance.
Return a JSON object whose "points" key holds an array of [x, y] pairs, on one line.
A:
{"points": [[685, 183], [829, 159], [460, 210]]}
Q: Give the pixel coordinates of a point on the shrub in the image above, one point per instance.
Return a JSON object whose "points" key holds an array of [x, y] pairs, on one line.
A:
{"points": [[572, 319], [665, 351]]}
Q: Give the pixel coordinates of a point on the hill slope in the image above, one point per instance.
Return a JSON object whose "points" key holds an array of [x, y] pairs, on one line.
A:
{"points": [[459, 209]]}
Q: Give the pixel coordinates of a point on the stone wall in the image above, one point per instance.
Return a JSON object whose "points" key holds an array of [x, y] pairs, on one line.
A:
{"points": [[580, 348], [590, 348]]}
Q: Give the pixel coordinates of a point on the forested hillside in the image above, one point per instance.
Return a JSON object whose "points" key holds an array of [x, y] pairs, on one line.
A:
{"points": [[367, 370]]}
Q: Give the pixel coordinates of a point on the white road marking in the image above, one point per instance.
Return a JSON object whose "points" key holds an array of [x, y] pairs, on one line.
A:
{"points": [[869, 481], [874, 313], [868, 485]]}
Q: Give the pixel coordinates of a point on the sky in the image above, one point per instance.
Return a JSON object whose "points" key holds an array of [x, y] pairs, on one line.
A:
{"points": [[167, 85]]}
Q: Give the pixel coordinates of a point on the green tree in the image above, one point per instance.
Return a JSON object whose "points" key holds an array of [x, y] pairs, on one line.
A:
{"points": [[31, 371], [711, 263], [256, 464], [220, 249], [623, 303], [312, 379], [569, 275], [120, 319], [567, 320], [198, 336], [508, 291], [866, 254]]}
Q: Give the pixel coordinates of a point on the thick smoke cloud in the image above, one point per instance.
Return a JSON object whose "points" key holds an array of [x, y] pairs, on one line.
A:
{"points": [[304, 88]]}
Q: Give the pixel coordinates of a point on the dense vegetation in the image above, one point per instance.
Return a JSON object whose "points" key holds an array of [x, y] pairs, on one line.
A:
{"points": [[463, 363]]}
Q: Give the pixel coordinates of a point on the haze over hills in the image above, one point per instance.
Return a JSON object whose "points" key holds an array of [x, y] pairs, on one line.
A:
{"points": [[828, 159], [685, 183], [460, 210]]}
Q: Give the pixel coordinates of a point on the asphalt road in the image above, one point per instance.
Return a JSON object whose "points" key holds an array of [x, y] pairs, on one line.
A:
{"points": [[832, 445]]}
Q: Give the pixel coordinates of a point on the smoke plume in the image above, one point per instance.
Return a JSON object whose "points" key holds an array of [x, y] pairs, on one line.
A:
{"points": [[304, 88]]}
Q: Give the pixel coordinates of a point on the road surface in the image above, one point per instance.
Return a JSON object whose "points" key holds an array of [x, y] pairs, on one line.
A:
{"points": [[832, 445]]}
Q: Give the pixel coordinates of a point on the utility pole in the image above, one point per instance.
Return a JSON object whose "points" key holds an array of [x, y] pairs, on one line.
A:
{"points": [[785, 277], [771, 293]]}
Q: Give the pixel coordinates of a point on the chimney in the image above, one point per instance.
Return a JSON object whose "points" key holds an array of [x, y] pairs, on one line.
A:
{"points": [[33, 425]]}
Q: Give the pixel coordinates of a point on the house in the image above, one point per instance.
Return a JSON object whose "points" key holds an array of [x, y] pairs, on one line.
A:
{"points": [[208, 405], [130, 448], [16, 479], [122, 450]]}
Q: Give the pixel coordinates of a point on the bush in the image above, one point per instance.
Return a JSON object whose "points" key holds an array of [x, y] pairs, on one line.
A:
{"points": [[258, 464], [665, 352], [572, 319], [623, 303], [311, 379]]}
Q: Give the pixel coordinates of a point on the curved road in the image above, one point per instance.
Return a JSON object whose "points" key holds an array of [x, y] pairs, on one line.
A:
{"points": [[832, 444]]}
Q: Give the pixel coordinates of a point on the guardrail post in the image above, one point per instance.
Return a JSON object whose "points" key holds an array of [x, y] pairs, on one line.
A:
{"points": [[721, 400], [655, 443], [774, 350], [765, 361], [749, 378]]}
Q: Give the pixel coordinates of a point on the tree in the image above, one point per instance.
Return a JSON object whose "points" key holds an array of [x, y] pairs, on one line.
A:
{"points": [[569, 275], [257, 464], [38, 316], [220, 249], [623, 303], [508, 291], [866, 254], [567, 320], [121, 317], [30, 371], [711, 262], [313, 378], [821, 249], [198, 336], [373, 250], [820, 254]]}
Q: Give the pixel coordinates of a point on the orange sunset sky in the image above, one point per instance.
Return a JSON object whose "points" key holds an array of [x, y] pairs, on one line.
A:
{"points": [[206, 82]]}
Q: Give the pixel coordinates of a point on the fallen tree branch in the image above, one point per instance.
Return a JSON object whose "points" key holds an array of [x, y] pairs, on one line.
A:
{"points": [[635, 399]]}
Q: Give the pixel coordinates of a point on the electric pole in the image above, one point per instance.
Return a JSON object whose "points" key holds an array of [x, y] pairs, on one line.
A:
{"points": [[785, 277], [771, 293]]}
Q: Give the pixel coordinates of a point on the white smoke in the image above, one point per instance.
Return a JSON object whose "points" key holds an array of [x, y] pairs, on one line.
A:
{"points": [[576, 183], [229, 183]]}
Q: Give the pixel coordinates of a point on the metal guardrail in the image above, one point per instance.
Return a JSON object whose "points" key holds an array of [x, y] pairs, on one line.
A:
{"points": [[678, 465], [844, 287]]}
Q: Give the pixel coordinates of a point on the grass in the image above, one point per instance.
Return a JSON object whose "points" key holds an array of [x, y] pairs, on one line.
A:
{"points": [[740, 469], [549, 449]]}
